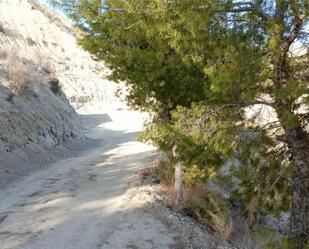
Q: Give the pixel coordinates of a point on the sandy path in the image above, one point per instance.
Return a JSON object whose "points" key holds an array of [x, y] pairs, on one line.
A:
{"points": [[87, 202]]}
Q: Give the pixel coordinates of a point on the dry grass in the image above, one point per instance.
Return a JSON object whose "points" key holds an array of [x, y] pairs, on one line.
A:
{"points": [[252, 211], [22, 69], [204, 206], [18, 75], [30, 41], [208, 209], [146, 172], [19, 78]]}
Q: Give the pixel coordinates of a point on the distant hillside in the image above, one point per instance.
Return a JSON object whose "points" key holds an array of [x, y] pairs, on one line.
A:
{"points": [[44, 37]]}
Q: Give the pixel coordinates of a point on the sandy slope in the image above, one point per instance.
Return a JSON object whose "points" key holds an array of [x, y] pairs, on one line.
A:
{"points": [[33, 31]]}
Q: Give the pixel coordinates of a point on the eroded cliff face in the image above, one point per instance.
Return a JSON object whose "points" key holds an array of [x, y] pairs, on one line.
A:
{"points": [[43, 72], [36, 47], [33, 109], [44, 37], [36, 118]]}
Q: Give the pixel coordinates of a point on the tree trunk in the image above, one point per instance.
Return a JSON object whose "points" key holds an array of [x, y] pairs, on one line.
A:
{"points": [[178, 185], [297, 138], [298, 142], [178, 180]]}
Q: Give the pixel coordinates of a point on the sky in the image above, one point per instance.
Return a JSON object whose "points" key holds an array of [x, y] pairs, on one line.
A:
{"points": [[57, 10], [44, 2], [61, 13]]}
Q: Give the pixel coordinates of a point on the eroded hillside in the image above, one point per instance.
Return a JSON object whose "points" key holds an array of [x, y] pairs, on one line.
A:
{"points": [[43, 72], [43, 36]]}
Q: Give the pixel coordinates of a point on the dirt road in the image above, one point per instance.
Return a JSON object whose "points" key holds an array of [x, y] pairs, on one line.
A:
{"points": [[95, 200], [86, 202]]}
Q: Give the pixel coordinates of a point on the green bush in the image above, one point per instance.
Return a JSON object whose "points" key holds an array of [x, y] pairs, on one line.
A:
{"points": [[269, 239]]}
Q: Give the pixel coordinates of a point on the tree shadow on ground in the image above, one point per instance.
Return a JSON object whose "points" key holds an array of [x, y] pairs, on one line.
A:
{"points": [[93, 199], [92, 120]]}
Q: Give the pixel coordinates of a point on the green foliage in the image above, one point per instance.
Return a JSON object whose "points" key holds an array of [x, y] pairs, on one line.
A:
{"points": [[269, 239], [165, 170], [193, 175], [139, 53], [199, 67]]}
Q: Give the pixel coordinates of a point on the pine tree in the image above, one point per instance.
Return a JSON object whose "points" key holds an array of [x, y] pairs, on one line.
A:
{"points": [[201, 67]]}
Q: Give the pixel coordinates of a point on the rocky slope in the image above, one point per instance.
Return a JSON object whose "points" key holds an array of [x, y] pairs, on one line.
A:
{"points": [[43, 72], [49, 40], [35, 116]]}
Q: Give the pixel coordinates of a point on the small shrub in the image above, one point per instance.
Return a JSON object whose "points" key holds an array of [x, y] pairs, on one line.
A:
{"points": [[208, 208], [19, 78], [165, 170], [270, 239], [204, 205], [193, 175], [55, 86], [146, 172], [30, 41]]}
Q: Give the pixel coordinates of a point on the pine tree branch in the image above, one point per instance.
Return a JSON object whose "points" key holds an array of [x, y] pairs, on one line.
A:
{"points": [[244, 104], [238, 7], [261, 102]]}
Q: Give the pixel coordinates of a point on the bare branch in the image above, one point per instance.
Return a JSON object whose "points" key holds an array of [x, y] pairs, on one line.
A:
{"points": [[299, 20]]}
